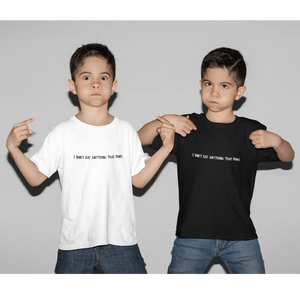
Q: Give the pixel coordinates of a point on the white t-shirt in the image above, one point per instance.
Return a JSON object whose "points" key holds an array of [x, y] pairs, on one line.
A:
{"points": [[95, 166]]}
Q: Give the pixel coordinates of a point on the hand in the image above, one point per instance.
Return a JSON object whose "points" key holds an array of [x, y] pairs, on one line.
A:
{"points": [[265, 139], [167, 132], [18, 133], [183, 125]]}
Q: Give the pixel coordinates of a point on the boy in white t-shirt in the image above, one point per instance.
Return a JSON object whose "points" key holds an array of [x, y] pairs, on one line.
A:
{"points": [[98, 158]]}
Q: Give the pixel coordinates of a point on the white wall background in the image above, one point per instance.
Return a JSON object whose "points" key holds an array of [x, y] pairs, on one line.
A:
{"points": [[158, 69]]}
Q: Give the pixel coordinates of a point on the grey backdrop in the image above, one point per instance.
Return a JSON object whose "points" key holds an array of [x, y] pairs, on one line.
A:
{"points": [[158, 69]]}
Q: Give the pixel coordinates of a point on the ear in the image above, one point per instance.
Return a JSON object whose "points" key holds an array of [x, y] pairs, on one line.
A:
{"points": [[114, 86], [200, 82], [240, 92], [72, 87]]}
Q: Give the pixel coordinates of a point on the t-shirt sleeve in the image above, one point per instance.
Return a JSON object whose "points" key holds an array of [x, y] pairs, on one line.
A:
{"points": [[138, 158], [267, 155], [48, 158]]}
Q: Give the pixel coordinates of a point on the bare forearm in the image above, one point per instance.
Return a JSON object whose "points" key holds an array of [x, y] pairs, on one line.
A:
{"points": [[148, 132], [285, 151], [28, 169], [152, 166]]}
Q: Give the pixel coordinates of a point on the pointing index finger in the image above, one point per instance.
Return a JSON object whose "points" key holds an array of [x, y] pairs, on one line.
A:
{"points": [[24, 123], [29, 121]]}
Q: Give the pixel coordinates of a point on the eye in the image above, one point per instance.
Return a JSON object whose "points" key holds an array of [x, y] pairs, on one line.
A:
{"points": [[104, 78], [85, 77], [207, 84], [225, 86]]}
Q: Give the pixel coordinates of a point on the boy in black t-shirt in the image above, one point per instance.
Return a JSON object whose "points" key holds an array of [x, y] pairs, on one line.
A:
{"points": [[217, 165]]}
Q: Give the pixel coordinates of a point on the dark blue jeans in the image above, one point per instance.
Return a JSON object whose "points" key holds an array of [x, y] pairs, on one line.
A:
{"points": [[194, 255], [108, 259]]}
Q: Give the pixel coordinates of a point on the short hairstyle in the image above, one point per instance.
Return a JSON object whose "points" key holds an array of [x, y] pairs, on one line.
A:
{"points": [[91, 50], [229, 59]]}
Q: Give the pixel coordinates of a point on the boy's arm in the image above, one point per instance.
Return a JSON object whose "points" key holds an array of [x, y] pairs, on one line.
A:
{"points": [[148, 132], [153, 164], [266, 139], [182, 125], [28, 169]]}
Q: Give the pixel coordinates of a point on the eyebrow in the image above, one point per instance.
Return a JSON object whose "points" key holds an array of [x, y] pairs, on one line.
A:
{"points": [[87, 72], [225, 82]]}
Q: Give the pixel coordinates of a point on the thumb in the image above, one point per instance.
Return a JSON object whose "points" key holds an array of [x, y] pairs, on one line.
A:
{"points": [[188, 117]]}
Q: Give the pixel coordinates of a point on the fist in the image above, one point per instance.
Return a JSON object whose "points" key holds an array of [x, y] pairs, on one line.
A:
{"points": [[18, 133], [166, 132], [265, 139]]}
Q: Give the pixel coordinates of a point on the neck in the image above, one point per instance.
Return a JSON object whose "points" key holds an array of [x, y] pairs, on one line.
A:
{"points": [[95, 117], [220, 117]]}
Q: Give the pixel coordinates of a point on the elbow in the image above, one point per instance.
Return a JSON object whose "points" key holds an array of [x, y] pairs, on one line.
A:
{"points": [[34, 184], [138, 182], [293, 156], [289, 158], [139, 185], [37, 182]]}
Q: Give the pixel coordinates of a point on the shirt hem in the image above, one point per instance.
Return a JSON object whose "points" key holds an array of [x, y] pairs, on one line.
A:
{"points": [[100, 243], [245, 237]]}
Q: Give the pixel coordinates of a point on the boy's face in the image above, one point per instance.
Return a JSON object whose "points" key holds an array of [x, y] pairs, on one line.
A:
{"points": [[94, 83], [219, 90]]}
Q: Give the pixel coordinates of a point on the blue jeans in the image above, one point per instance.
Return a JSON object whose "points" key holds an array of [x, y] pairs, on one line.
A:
{"points": [[192, 256], [108, 259]]}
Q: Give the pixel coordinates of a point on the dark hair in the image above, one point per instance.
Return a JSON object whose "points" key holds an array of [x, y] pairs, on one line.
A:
{"points": [[91, 50], [227, 58]]}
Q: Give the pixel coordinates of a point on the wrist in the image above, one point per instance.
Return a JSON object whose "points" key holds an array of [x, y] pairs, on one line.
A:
{"points": [[11, 148], [167, 148]]}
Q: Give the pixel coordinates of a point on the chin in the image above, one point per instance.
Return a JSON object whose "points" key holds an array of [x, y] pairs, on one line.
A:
{"points": [[214, 109], [102, 104], [96, 102]]}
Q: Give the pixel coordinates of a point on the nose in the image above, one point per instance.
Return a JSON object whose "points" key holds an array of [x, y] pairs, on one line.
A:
{"points": [[96, 85], [214, 91]]}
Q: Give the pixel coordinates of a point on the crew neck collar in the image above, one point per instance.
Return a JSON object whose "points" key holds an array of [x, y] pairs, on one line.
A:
{"points": [[93, 127], [222, 125]]}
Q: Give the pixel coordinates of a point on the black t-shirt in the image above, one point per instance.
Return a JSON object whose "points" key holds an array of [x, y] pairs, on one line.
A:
{"points": [[217, 165]]}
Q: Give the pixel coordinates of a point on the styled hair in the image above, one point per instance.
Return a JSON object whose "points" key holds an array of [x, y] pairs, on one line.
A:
{"points": [[92, 50], [229, 59]]}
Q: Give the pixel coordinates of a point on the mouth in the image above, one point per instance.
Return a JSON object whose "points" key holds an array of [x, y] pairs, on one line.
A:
{"points": [[213, 102], [96, 94]]}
